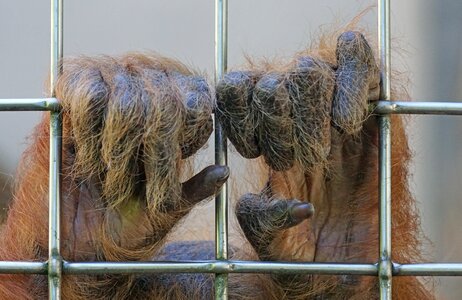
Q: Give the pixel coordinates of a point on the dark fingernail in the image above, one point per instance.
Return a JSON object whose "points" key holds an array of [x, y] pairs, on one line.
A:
{"points": [[301, 211], [222, 173]]}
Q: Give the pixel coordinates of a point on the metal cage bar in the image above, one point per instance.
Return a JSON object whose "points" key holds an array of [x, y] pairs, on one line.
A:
{"points": [[54, 228], [385, 264], [221, 149], [379, 107], [422, 108], [231, 266], [38, 104], [385, 268]]}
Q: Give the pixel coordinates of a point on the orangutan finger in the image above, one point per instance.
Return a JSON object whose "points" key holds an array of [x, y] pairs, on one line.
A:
{"points": [[161, 147], [289, 213], [311, 86], [204, 184], [84, 95], [273, 114], [262, 219], [234, 97], [299, 211], [198, 105], [357, 75], [276, 213], [121, 135], [374, 93]]}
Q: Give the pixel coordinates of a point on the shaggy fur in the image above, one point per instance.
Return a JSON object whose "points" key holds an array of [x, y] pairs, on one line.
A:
{"points": [[130, 121], [336, 170]]}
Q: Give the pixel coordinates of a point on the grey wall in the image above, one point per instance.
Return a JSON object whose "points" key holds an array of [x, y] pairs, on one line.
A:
{"points": [[437, 69], [428, 32]]}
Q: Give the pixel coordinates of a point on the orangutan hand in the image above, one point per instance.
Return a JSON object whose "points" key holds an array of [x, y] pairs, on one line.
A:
{"points": [[131, 120], [128, 124], [287, 116], [307, 118]]}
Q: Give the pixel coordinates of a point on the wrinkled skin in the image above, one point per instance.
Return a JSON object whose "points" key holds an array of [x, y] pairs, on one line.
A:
{"points": [[319, 203]]}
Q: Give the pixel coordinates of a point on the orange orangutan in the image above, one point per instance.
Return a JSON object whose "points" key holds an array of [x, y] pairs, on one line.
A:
{"points": [[130, 123]]}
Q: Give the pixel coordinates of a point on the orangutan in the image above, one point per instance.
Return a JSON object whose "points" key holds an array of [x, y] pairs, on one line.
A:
{"points": [[130, 125]]}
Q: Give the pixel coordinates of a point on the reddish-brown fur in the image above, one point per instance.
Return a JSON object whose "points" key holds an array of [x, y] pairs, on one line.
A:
{"points": [[350, 198], [344, 227]]}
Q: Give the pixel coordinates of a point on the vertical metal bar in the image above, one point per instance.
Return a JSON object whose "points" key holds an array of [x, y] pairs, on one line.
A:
{"points": [[54, 256], [221, 151], [385, 264]]}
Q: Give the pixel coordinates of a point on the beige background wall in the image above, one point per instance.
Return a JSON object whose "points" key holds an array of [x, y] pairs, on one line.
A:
{"points": [[428, 31]]}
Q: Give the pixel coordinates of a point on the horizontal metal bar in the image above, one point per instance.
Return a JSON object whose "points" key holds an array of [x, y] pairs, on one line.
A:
{"points": [[31, 104], [425, 108], [428, 269], [23, 267], [381, 107], [218, 266], [230, 266]]}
